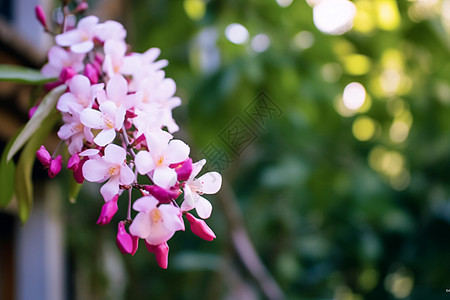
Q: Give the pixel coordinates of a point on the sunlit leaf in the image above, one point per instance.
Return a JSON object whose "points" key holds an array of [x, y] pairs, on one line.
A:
{"points": [[44, 109], [24, 169], [21, 74]]}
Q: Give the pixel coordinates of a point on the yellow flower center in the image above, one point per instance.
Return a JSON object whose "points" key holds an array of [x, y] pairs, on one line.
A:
{"points": [[114, 170], [160, 160], [109, 123], [155, 215]]}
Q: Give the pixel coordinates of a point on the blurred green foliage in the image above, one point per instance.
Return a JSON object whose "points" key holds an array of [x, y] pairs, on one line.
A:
{"points": [[339, 204]]}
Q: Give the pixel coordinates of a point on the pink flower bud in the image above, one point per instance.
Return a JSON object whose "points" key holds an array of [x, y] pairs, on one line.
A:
{"points": [[55, 166], [91, 72], [82, 7], [32, 111], [183, 169], [127, 243], [163, 195], [200, 228], [74, 162], [109, 209], [43, 156], [66, 74], [40, 15], [161, 253]]}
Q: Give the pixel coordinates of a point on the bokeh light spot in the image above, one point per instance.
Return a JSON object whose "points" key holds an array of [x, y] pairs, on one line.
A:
{"points": [[260, 42], [334, 17], [354, 95], [363, 128], [195, 9], [236, 33]]}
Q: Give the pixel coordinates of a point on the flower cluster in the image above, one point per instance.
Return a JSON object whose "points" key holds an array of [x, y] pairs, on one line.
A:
{"points": [[118, 126]]}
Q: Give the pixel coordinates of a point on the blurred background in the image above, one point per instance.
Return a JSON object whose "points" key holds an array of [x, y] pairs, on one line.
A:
{"points": [[329, 122]]}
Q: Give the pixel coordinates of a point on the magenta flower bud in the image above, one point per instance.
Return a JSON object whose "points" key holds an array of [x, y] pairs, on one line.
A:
{"points": [[66, 74], [82, 7], [183, 170], [43, 156], [161, 253], [55, 166], [74, 162], [32, 111], [109, 209], [163, 195], [127, 243], [91, 72], [199, 228], [40, 15]]}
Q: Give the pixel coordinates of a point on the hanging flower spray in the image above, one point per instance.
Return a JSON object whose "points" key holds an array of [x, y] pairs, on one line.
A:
{"points": [[117, 123]]}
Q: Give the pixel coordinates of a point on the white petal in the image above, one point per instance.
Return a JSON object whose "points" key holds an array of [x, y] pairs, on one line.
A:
{"points": [[117, 88], [95, 170], [66, 102], [92, 118], [145, 204], [87, 23], [177, 151], [110, 189], [203, 208], [159, 234], [105, 137], [68, 38], [89, 152], [126, 175], [196, 168], [210, 182], [141, 225], [144, 162], [171, 217], [80, 84], [189, 200], [65, 132], [115, 154], [83, 47], [164, 177]]}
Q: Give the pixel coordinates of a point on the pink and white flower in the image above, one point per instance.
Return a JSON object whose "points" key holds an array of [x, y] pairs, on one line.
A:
{"points": [[81, 38], [155, 223], [109, 118], [111, 166], [59, 59], [163, 151], [81, 95], [208, 183]]}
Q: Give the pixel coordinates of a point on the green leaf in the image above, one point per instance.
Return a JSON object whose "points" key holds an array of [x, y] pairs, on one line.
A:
{"points": [[47, 105], [22, 75], [24, 169], [7, 170]]}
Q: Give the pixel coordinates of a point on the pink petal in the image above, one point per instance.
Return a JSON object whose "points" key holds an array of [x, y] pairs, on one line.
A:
{"points": [[110, 188], [117, 88], [141, 225], [159, 234], [92, 118], [88, 23], [196, 168], [68, 38], [43, 156], [126, 175], [145, 204], [83, 47], [115, 154], [171, 215], [109, 209], [66, 102], [127, 243], [96, 170]]}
